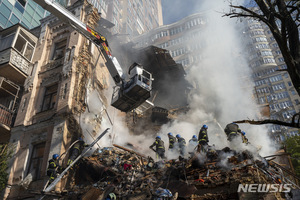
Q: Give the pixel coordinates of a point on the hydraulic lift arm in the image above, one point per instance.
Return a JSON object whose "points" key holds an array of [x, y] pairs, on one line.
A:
{"points": [[127, 95]]}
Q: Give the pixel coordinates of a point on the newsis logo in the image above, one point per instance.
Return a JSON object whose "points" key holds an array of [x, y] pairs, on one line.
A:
{"points": [[264, 187]]}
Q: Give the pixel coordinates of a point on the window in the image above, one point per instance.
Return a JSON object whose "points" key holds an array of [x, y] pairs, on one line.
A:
{"points": [[36, 161], [283, 67], [50, 97], [28, 52], [6, 41], [19, 7], [59, 50], [297, 101], [22, 2], [24, 45], [20, 44], [268, 60]]}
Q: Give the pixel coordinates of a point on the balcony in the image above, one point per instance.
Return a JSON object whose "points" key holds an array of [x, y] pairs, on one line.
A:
{"points": [[9, 92], [14, 66], [6, 117], [52, 64]]}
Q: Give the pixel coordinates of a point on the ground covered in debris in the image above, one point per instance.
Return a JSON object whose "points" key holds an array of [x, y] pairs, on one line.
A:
{"points": [[130, 175]]}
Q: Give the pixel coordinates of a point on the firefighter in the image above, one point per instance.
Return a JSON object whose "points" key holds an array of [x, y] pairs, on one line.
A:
{"points": [[232, 131], [159, 147], [53, 167], [192, 143], [172, 141], [181, 144], [76, 150], [203, 138], [244, 138], [194, 139], [111, 196]]}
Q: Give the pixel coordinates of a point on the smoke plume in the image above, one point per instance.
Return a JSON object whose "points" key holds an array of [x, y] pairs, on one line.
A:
{"points": [[222, 93]]}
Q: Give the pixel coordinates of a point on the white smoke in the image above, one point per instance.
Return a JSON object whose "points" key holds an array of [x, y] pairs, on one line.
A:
{"points": [[98, 115], [222, 95]]}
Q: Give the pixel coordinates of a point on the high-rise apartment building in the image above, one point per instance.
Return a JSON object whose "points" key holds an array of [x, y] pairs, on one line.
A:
{"points": [[25, 12], [272, 84], [180, 38], [132, 17]]}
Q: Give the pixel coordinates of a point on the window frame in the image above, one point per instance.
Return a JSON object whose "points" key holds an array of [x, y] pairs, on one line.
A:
{"points": [[35, 156], [53, 95]]}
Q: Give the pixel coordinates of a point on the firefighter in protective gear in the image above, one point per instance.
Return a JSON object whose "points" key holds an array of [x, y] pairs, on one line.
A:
{"points": [[181, 144], [194, 139], [172, 141], [76, 150], [244, 138], [159, 147], [203, 137], [111, 196], [53, 167], [232, 131], [192, 144]]}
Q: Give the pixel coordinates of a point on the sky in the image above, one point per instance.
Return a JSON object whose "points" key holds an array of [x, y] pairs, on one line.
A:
{"points": [[174, 10]]}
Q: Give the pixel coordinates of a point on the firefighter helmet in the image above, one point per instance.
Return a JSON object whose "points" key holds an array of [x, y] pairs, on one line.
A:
{"points": [[55, 156]]}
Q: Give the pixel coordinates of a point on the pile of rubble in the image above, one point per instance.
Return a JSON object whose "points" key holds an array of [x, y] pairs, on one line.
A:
{"points": [[130, 175]]}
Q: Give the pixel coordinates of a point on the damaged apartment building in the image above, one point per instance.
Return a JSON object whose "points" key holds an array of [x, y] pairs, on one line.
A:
{"points": [[55, 85], [64, 68]]}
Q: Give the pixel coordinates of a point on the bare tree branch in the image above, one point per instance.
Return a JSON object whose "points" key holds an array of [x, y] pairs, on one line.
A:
{"points": [[294, 124]]}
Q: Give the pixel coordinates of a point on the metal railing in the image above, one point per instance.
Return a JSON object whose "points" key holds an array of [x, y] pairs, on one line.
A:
{"points": [[6, 116]]}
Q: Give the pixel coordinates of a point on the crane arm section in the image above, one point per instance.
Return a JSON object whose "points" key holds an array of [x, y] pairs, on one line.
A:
{"points": [[127, 95], [99, 40]]}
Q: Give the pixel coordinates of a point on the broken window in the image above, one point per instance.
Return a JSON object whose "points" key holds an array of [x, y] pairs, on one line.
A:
{"points": [[24, 45], [59, 49], [36, 161], [20, 44], [50, 97], [28, 52]]}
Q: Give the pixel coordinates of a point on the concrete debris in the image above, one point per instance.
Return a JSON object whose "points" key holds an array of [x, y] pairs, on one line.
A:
{"points": [[129, 175]]}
